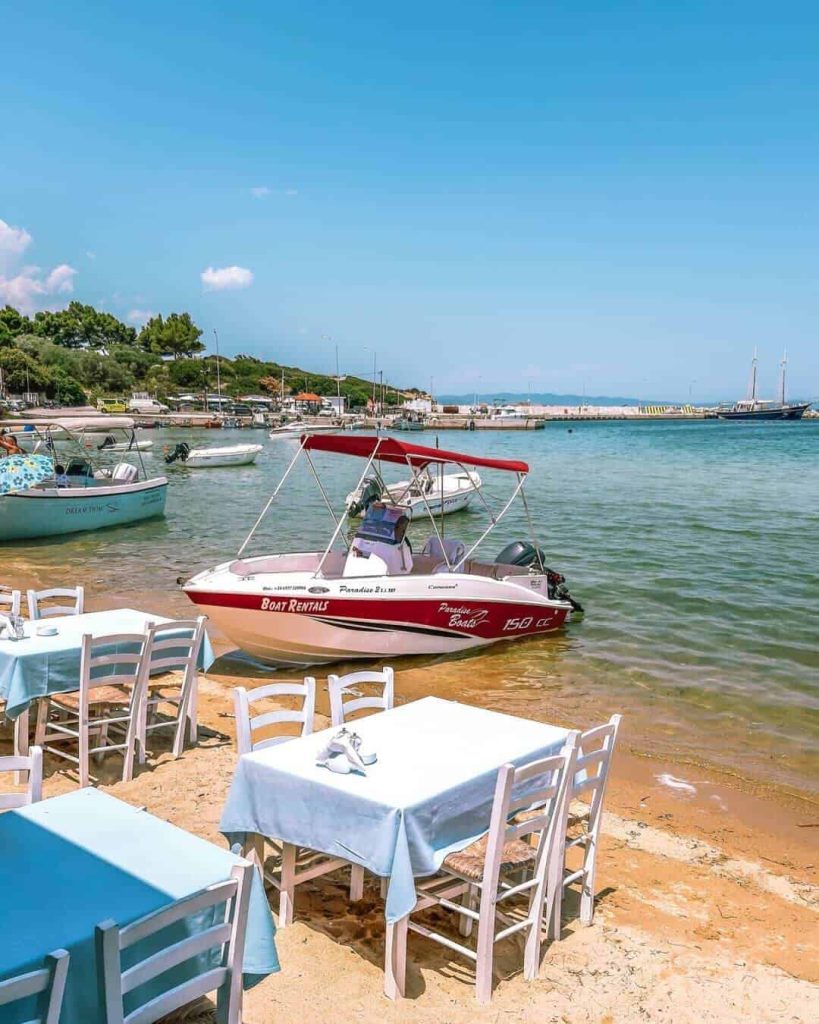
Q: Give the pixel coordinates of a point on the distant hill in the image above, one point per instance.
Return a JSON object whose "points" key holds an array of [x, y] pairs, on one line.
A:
{"points": [[537, 398]]}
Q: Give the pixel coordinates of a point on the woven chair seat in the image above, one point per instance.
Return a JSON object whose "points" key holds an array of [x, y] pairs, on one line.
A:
{"points": [[99, 695], [469, 862], [171, 680], [574, 818]]}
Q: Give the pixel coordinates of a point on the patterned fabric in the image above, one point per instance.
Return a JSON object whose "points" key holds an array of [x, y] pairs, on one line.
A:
{"points": [[17, 472]]}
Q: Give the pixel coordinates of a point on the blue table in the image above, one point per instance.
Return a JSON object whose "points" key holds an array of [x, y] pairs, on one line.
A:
{"points": [[74, 860], [38, 665]]}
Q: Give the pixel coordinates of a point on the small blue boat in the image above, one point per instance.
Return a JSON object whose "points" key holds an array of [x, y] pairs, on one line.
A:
{"points": [[79, 496]]}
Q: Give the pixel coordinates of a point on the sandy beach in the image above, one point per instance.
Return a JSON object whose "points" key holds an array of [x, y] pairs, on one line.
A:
{"points": [[707, 909]]}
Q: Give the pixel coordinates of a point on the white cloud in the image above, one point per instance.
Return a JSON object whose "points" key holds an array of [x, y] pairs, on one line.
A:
{"points": [[13, 241], [291, 191], [28, 288], [90, 255], [60, 280], [218, 279], [140, 316], [260, 191]]}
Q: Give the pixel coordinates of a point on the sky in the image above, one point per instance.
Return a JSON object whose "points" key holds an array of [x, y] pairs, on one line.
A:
{"points": [[613, 197]]}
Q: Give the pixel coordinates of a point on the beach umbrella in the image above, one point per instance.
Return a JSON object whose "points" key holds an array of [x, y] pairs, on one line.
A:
{"points": [[17, 472]]}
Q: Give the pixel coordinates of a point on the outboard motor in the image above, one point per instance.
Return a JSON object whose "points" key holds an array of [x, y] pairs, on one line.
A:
{"points": [[524, 554], [180, 452], [361, 499]]}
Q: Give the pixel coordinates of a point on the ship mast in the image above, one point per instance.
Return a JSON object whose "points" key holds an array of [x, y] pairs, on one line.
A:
{"points": [[752, 385], [783, 364]]}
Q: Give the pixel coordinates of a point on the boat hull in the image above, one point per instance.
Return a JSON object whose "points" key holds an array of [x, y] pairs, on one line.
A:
{"points": [[320, 621], [789, 412], [55, 512], [241, 455]]}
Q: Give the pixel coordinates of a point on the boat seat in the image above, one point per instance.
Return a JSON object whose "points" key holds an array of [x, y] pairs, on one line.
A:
{"points": [[451, 550], [396, 558], [125, 473]]}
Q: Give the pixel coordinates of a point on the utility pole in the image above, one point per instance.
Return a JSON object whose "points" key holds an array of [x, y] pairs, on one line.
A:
{"points": [[375, 358], [218, 372], [338, 387]]}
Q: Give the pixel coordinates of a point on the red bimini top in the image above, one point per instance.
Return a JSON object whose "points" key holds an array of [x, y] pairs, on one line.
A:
{"points": [[388, 449]]}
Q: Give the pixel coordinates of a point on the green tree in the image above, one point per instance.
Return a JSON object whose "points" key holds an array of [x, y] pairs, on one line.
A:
{"points": [[175, 336], [21, 372], [65, 389], [82, 326], [13, 323]]}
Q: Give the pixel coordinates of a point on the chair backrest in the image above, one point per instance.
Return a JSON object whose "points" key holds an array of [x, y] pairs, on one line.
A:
{"points": [[593, 762], [113, 660], [225, 905], [9, 601], [33, 765], [174, 646], [48, 983], [453, 549], [541, 788], [246, 725], [38, 608], [340, 687]]}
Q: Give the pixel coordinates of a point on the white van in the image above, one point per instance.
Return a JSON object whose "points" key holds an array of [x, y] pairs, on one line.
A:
{"points": [[142, 403]]}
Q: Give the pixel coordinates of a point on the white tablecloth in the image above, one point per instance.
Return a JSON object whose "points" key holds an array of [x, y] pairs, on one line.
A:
{"points": [[430, 791], [39, 665]]}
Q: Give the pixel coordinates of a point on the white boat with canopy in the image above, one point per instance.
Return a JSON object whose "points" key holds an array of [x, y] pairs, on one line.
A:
{"points": [[88, 491], [368, 594], [435, 491]]}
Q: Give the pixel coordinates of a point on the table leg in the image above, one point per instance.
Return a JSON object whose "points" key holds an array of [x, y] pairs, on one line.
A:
{"points": [[395, 959], [193, 707], [356, 883], [21, 742], [288, 885]]}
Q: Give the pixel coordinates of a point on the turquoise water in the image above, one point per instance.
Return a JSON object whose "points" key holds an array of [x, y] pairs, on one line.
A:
{"points": [[694, 548]]}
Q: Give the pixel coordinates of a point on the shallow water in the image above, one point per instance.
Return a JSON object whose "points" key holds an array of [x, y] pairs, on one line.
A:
{"points": [[694, 548]]}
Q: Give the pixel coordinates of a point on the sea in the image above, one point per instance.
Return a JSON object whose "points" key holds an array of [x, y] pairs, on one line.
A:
{"points": [[693, 547]]}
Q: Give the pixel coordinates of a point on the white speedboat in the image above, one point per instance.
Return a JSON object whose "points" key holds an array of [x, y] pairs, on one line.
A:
{"points": [[110, 443], [296, 429], [205, 458], [437, 493], [82, 495], [369, 595]]}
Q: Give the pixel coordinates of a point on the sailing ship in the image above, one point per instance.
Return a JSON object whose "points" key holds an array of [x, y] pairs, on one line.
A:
{"points": [[753, 408]]}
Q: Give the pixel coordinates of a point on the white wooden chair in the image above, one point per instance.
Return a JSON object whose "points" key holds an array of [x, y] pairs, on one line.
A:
{"points": [[39, 606], [47, 983], [288, 866], [489, 871], [595, 748], [225, 903], [32, 765], [172, 649], [108, 701], [246, 725], [341, 687], [9, 601]]}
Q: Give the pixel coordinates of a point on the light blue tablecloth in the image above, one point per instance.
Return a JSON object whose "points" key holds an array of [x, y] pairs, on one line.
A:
{"points": [[73, 861], [429, 793], [39, 665]]}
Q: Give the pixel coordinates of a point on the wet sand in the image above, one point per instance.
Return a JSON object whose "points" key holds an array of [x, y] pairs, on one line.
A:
{"points": [[708, 902]]}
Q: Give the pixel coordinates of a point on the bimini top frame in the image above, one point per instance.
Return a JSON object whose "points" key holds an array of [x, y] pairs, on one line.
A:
{"points": [[416, 458]]}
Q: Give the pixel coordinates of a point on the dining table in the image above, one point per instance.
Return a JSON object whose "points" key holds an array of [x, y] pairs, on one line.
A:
{"points": [[429, 793], [76, 860], [47, 659]]}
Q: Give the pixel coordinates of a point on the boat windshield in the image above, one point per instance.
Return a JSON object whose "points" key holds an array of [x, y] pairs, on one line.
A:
{"points": [[383, 523]]}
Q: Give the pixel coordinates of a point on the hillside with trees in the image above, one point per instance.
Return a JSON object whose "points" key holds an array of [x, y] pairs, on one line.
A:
{"points": [[80, 354]]}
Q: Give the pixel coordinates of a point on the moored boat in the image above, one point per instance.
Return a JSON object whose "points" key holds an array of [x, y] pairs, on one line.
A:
{"points": [[205, 458], [375, 597], [81, 496], [753, 408], [438, 493]]}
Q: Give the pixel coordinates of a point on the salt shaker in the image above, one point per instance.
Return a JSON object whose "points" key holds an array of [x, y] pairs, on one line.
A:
{"points": [[19, 631]]}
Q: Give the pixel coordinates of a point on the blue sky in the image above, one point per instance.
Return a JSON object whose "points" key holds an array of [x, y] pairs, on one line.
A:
{"points": [[619, 197]]}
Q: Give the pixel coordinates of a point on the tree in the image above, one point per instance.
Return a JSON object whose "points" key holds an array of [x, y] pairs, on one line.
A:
{"points": [[65, 389], [175, 336], [21, 372], [82, 326]]}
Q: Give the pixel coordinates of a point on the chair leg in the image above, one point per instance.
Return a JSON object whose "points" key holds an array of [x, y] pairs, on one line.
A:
{"points": [[465, 922], [485, 949], [83, 752], [180, 730], [587, 892], [193, 710], [356, 883], [288, 885], [395, 959]]}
